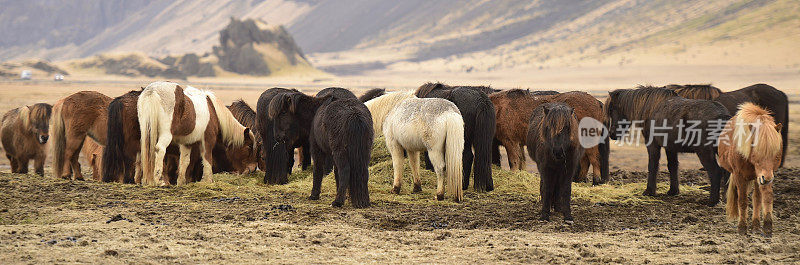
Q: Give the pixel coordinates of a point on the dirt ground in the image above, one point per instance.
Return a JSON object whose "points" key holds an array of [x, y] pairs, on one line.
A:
{"points": [[238, 220]]}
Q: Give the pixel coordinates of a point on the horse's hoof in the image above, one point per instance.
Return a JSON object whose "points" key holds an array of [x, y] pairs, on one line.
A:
{"points": [[712, 203], [337, 204], [439, 197], [649, 193], [417, 188], [673, 192], [313, 197], [396, 190]]}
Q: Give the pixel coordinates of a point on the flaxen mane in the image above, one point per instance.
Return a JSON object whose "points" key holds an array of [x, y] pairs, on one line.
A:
{"points": [[764, 143]]}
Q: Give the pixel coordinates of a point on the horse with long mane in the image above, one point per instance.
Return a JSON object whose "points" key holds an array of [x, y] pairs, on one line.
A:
{"points": [[277, 157], [677, 124], [24, 132], [372, 93], [750, 149], [243, 159], [414, 125], [478, 114], [340, 132], [553, 143], [763, 95], [168, 113], [74, 118], [515, 106]]}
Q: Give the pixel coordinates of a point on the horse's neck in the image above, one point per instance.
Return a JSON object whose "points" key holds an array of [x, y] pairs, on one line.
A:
{"points": [[381, 106]]}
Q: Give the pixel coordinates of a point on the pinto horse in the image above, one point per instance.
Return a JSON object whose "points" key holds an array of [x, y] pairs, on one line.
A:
{"points": [[765, 96], [478, 114], [553, 143], [75, 117], [168, 113], [414, 125], [515, 106], [340, 131], [24, 133], [277, 157], [677, 124], [750, 148]]}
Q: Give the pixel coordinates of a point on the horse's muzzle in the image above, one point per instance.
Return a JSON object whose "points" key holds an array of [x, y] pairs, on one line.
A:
{"points": [[43, 139]]}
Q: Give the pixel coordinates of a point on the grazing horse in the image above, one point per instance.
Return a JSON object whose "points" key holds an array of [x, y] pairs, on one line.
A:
{"points": [[677, 124], [75, 117], [120, 160], [93, 153], [413, 125], [515, 106], [24, 133], [496, 143], [765, 96], [750, 148], [244, 159], [478, 114], [277, 157], [553, 143], [340, 132], [168, 113], [372, 93]]}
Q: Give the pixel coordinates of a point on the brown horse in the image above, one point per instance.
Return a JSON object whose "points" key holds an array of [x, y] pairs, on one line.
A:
{"points": [[765, 96], [240, 160], [750, 148], [93, 153], [75, 117], [24, 133], [515, 106]]}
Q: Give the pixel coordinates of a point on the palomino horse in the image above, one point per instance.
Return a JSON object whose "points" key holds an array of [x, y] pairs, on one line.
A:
{"points": [[168, 113], [277, 158], [765, 96], [24, 133], [750, 148], [415, 125], [75, 117], [553, 143], [514, 108], [340, 132], [677, 124]]}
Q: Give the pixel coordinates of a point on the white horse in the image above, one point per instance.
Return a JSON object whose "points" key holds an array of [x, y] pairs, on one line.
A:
{"points": [[169, 113], [414, 125]]}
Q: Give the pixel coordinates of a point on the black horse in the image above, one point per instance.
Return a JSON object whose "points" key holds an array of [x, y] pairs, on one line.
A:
{"points": [[277, 157], [677, 124], [336, 93], [553, 143], [763, 95], [340, 132], [479, 126], [372, 93]]}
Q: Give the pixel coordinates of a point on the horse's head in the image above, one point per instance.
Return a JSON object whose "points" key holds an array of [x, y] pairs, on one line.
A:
{"points": [[766, 154], [37, 120], [558, 128], [283, 111]]}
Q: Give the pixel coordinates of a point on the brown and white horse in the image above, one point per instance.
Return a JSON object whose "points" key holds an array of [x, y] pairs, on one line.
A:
{"points": [[750, 148], [169, 113]]}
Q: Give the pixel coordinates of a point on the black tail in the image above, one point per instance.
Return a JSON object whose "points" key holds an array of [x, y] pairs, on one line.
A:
{"points": [[360, 148], [115, 164], [605, 151], [785, 130], [276, 157], [482, 140]]}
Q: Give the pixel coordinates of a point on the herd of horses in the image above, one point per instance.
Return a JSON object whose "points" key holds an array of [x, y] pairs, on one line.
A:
{"points": [[171, 134]]}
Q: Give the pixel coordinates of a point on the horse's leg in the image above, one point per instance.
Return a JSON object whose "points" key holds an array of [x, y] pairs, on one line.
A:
{"points": [[14, 163], [183, 163], [397, 164], [583, 170], [654, 155], [342, 178], [546, 192], [715, 173], [513, 151], [23, 165], [672, 166], [766, 200], [756, 208], [162, 143], [743, 189], [306, 159], [594, 160], [137, 177], [564, 196], [496, 152], [466, 158], [321, 168], [413, 161], [437, 159], [72, 151], [522, 159], [38, 163], [207, 152]]}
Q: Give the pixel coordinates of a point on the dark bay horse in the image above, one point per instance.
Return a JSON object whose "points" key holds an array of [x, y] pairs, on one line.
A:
{"points": [[478, 113], [277, 157], [553, 143], [763, 95], [24, 132], [74, 118], [671, 119], [341, 135]]}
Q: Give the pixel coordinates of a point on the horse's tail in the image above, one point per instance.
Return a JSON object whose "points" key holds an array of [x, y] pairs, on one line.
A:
{"points": [[148, 109], [454, 148], [483, 137], [358, 158], [732, 196], [58, 138], [605, 151], [785, 131], [114, 160], [233, 132]]}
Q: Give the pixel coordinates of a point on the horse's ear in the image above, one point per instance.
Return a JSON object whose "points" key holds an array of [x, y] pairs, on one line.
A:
{"points": [[779, 127]]}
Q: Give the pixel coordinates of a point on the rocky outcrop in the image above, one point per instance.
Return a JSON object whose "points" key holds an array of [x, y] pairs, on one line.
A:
{"points": [[243, 44]]}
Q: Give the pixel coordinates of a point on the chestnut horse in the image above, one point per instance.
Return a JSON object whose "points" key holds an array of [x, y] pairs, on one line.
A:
{"points": [[765, 96], [93, 153], [168, 113], [24, 133], [241, 160], [750, 148], [553, 143], [515, 106], [75, 117]]}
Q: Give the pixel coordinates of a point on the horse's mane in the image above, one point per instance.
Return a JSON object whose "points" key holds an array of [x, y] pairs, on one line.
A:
{"points": [[232, 131], [426, 89], [639, 103], [517, 93], [379, 107], [699, 91], [372, 93], [766, 143], [243, 113], [284, 100], [36, 114], [557, 117]]}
